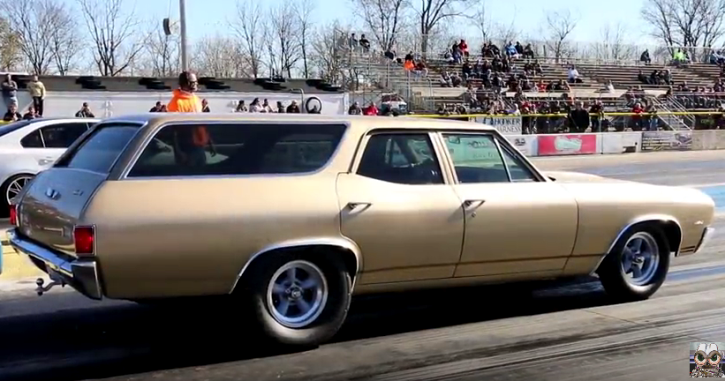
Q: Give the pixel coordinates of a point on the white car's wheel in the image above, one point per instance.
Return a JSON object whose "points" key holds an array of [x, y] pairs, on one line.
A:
{"points": [[12, 187], [638, 264], [299, 300]]}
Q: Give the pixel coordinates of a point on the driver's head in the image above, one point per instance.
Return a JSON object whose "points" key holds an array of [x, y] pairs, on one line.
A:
{"points": [[187, 81]]}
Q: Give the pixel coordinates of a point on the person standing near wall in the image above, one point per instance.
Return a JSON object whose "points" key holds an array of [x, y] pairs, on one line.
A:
{"points": [[190, 142], [37, 92]]}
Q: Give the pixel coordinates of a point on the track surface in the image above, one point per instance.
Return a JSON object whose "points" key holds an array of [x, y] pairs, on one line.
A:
{"points": [[555, 332]]}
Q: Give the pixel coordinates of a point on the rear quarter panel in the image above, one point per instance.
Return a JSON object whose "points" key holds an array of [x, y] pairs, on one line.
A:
{"points": [[187, 237], [607, 208]]}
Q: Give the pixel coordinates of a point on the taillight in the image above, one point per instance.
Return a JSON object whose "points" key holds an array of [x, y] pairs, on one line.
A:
{"points": [[84, 238], [13, 215]]}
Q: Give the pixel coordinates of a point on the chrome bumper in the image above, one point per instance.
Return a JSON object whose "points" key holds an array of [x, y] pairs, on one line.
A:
{"points": [[706, 236], [82, 275]]}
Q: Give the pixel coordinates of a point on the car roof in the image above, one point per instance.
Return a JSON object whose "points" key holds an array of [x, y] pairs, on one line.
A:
{"points": [[363, 123]]}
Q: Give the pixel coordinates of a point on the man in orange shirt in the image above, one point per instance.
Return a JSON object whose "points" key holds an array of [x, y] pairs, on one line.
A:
{"points": [[190, 142]]}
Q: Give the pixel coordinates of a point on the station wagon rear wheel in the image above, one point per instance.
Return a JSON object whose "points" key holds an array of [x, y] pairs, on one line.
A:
{"points": [[299, 300], [638, 264]]}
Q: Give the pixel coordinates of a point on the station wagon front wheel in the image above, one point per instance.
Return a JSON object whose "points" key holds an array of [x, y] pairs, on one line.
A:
{"points": [[298, 300], [638, 264]]}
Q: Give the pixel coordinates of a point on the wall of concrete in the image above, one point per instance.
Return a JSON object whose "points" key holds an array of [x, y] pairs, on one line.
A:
{"points": [[107, 103]]}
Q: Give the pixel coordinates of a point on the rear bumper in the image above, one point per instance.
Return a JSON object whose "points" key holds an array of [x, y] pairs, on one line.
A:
{"points": [[82, 275], [706, 236]]}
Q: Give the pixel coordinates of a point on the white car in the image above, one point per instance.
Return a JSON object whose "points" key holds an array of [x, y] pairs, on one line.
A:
{"points": [[30, 146]]}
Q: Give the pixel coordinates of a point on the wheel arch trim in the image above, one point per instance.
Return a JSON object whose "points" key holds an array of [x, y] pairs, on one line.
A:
{"points": [[638, 220], [338, 242]]}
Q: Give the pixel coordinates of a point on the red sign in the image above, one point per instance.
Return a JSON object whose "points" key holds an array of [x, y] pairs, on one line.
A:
{"points": [[567, 144]]}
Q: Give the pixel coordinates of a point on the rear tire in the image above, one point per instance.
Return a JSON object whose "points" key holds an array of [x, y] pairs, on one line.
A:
{"points": [[637, 265], [297, 299]]}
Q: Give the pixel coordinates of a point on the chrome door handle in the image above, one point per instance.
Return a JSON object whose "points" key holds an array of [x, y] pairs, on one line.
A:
{"points": [[358, 205], [473, 203]]}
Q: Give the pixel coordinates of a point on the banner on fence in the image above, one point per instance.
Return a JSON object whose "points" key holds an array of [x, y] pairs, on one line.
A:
{"points": [[505, 125], [622, 142], [526, 144], [666, 140], [567, 144]]}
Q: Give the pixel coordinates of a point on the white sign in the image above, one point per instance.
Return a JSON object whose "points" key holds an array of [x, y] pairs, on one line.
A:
{"points": [[526, 144], [506, 125]]}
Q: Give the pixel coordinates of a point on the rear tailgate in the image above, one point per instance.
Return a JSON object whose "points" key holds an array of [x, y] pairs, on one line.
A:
{"points": [[53, 203]]}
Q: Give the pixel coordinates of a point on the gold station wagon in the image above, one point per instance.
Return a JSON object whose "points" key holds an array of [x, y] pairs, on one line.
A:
{"points": [[291, 215]]}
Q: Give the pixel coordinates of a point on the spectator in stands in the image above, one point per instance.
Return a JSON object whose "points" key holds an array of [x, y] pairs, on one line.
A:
{"points": [[266, 107], [163, 109], [463, 46], [85, 111], [573, 75], [364, 43], [255, 106], [156, 108], [596, 113], [609, 87], [652, 119], [510, 50], [643, 78], [9, 91], [280, 108], [421, 70], [12, 115], [371, 110], [31, 114], [353, 42], [680, 57], [293, 108], [205, 106], [184, 98], [490, 50], [716, 58], [355, 109], [241, 106], [644, 57], [637, 121], [529, 52], [445, 79], [579, 118], [37, 92]]}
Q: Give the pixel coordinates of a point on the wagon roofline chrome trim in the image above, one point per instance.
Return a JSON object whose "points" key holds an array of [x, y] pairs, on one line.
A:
{"points": [[340, 242], [639, 220], [157, 128]]}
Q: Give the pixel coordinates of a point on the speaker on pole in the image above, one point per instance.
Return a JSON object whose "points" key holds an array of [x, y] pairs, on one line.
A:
{"points": [[167, 26]]}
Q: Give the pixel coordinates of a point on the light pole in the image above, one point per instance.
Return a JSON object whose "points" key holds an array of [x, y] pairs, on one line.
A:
{"points": [[182, 20]]}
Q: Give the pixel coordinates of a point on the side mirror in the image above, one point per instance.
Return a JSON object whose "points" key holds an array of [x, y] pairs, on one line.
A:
{"points": [[551, 178]]}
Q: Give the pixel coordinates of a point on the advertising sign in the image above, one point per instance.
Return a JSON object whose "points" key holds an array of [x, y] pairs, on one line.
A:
{"points": [[666, 140], [506, 125], [567, 144], [526, 144]]}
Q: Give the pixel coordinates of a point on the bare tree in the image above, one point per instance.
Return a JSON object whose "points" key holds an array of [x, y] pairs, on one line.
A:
{"points": [[685, 23], [432, 12], [383, 18], [10, 49], [218, 56], [36, 22], [327, 52], [613, 44], [283, 38], [248, 26], [66, 43], [304, 16], [162, 54], [559, 24], [116, 42], [483, 22]]}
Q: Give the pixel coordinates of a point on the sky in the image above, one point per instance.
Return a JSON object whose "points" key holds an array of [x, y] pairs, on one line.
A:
{"points": [[207, 16]]}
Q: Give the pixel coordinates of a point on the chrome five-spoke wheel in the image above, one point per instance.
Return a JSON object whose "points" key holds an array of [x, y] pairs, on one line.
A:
{"points": [[640, 258], [15, 186], [297, 294]]}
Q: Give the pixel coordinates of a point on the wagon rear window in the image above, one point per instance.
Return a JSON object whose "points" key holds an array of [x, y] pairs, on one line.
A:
{"points": [[99, 151], [238, 149]]}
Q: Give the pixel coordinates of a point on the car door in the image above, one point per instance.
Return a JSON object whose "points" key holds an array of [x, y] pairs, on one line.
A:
{"points": [[397, 207], [58, 137], [516, 221]]}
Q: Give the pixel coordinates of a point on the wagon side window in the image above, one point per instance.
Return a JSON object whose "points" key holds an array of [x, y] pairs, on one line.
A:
{"points": [[400, 158], [237, 149]]}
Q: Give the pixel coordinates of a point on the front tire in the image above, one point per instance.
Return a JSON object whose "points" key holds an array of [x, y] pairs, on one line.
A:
{"points": [[637, 265], [299, 300]]}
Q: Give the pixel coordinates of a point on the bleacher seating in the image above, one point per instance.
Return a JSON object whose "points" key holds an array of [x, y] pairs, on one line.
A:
{"points": [[623, 76]]}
